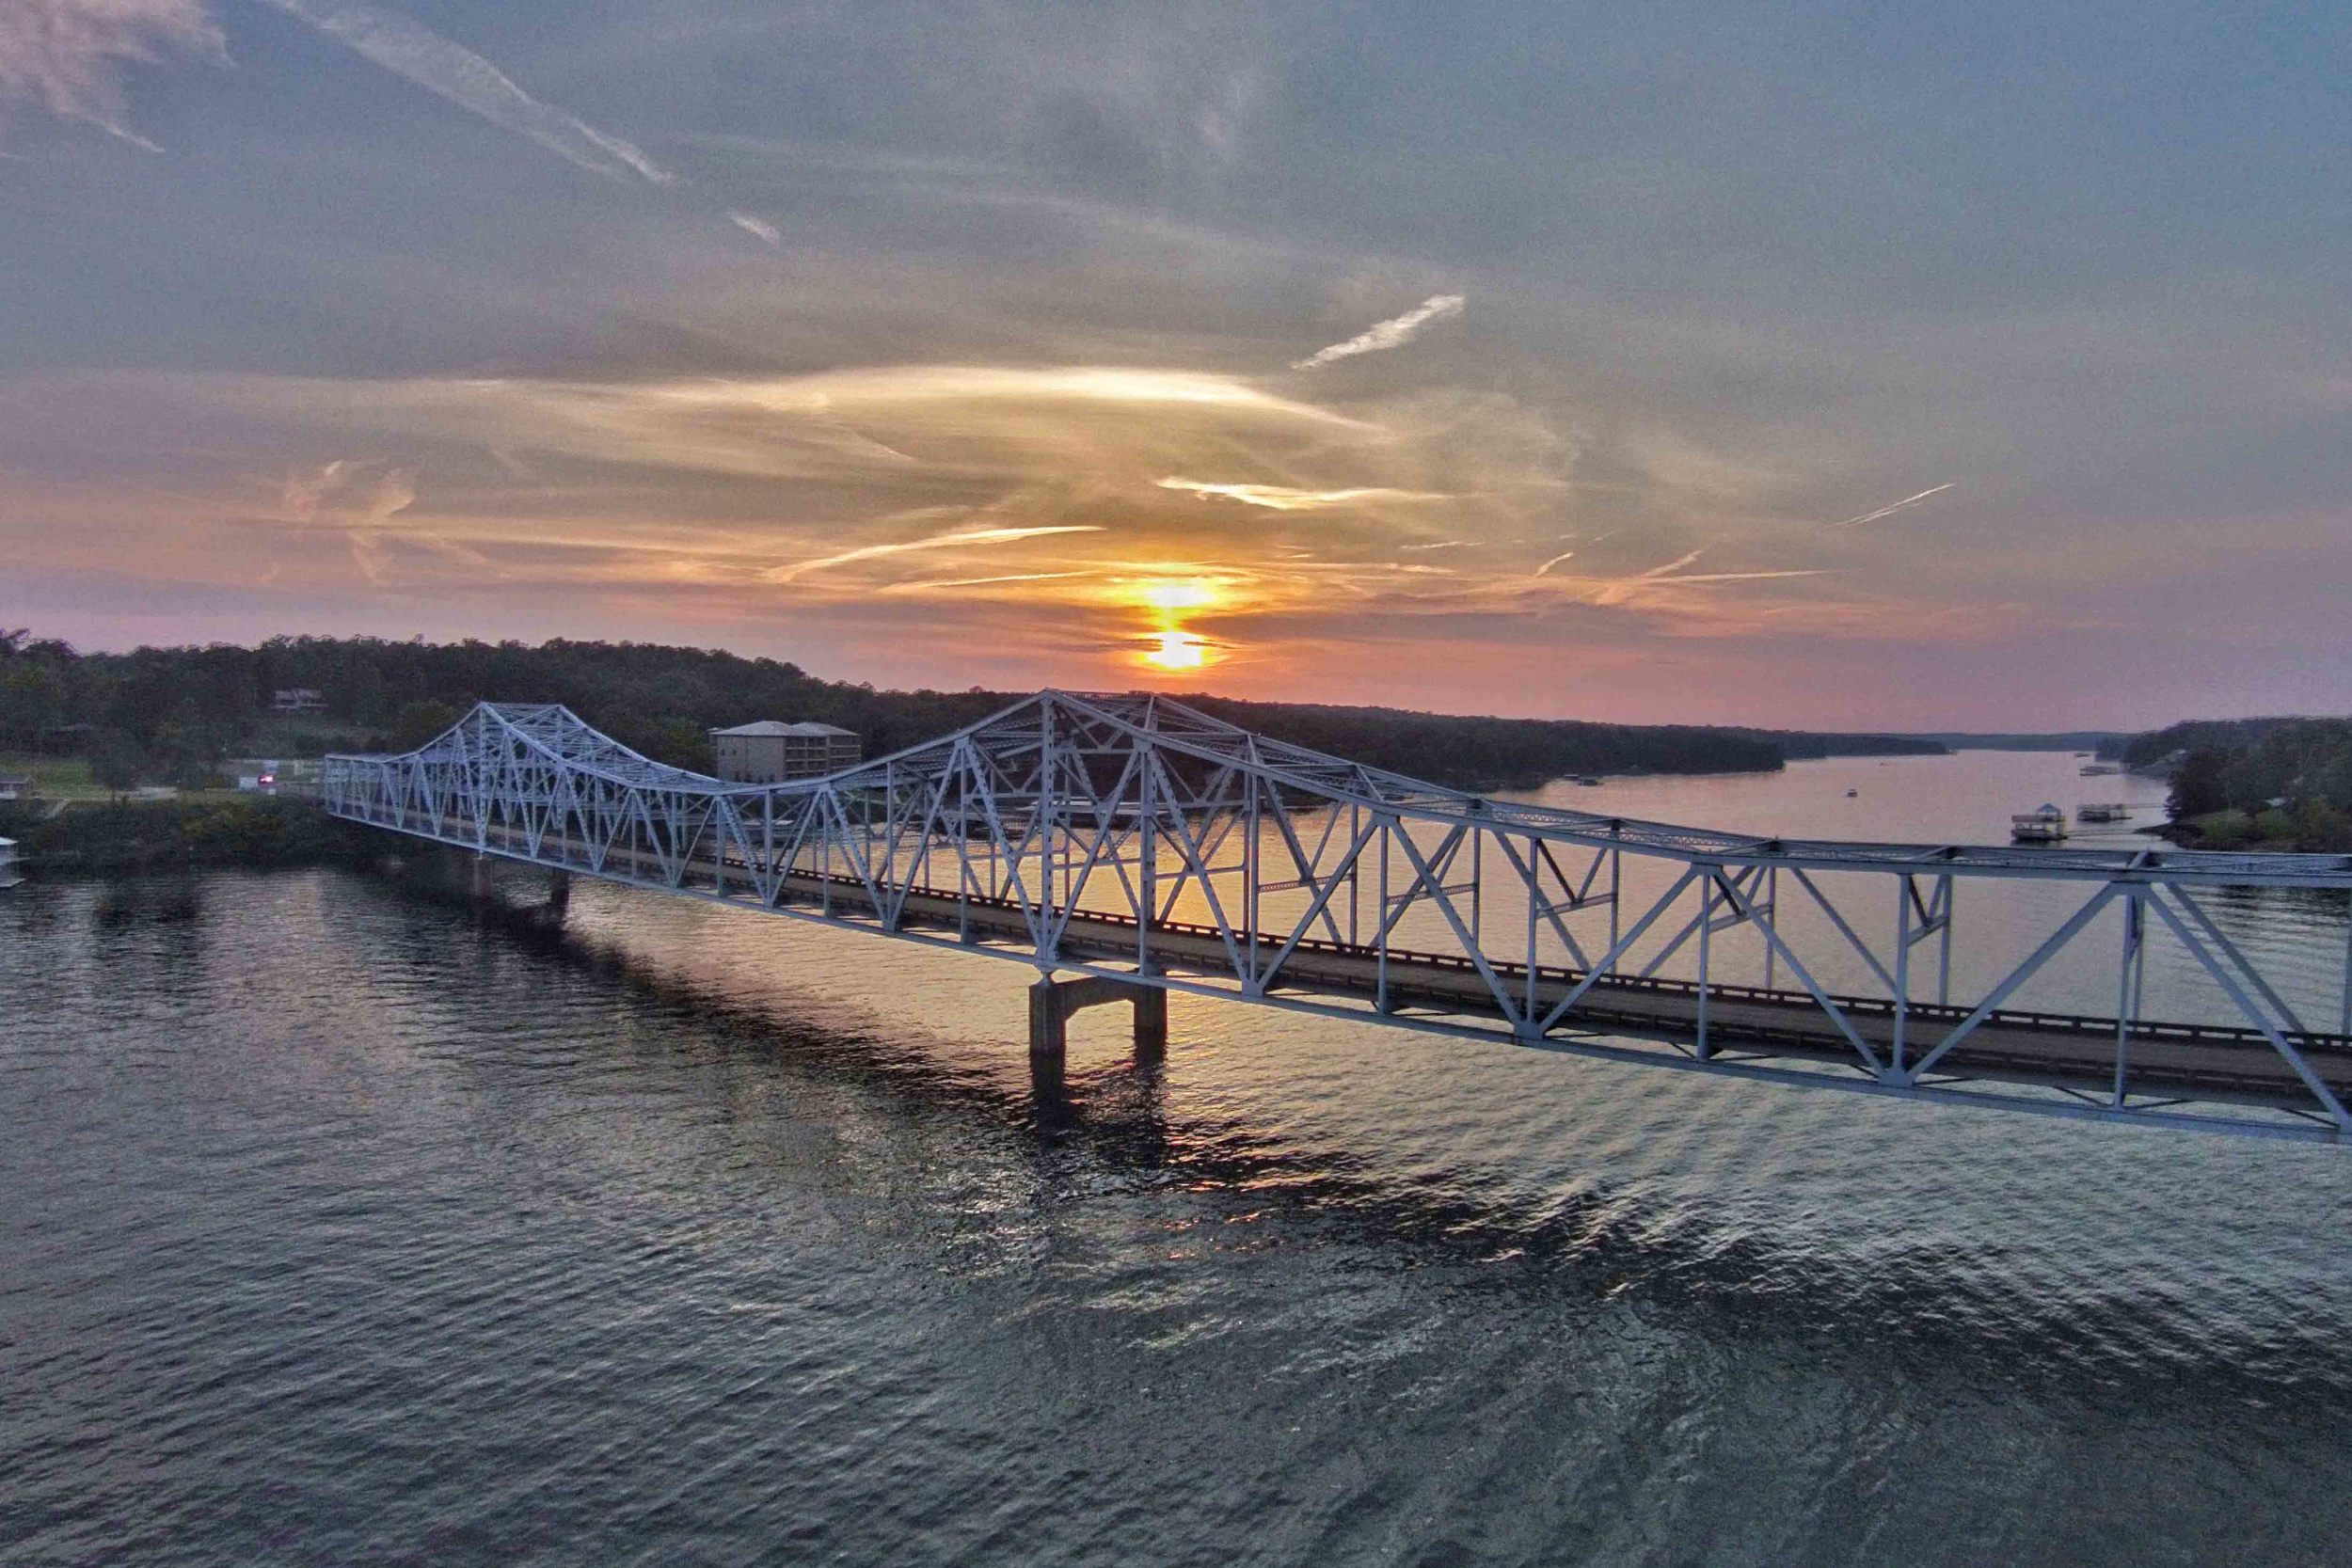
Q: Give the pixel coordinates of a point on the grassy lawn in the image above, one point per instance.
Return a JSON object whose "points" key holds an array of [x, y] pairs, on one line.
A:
{"points": [[54, 778], [69, 779], [2235, 829]]}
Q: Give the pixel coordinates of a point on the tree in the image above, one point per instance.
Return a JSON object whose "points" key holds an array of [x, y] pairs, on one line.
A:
{"points": [[2321, 828], [30, 701], [683, 744], [421, 721], [2197, 784], [116, 761]]}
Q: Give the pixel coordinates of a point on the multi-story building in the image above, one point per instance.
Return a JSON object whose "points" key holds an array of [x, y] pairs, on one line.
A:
{"points": [[771, 751]]}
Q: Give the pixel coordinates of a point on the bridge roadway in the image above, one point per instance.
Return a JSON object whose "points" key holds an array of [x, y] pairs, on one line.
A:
{"points": [[2068, 1052]]}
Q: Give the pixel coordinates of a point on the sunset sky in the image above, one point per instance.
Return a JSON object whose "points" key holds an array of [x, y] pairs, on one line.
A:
{"points": [[1914, 366]]}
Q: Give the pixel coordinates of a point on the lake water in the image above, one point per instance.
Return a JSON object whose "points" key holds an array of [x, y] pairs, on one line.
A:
{"points": [[338, 1228]]}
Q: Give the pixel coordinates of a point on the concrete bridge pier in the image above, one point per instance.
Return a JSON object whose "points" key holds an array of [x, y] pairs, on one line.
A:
{"points": [[1052, 1002], [483, 890]]}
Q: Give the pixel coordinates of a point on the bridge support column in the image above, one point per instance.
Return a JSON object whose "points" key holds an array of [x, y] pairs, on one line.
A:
{"points": [[1052, 1002], [559, 895], [1151, 1023]]}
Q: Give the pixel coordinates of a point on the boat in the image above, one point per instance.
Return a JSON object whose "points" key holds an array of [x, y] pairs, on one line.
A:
{"points": [[2045, 825], [8, 875], [2102, 811], [2098, 770], [1852, 793], [1589, 782]]}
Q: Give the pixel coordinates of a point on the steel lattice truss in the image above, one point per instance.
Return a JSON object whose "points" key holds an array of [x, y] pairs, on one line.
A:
{"points": [[1135, 838]]}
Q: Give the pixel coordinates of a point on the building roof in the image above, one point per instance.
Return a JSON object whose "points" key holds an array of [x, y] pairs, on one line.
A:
{"points": [[806, 728]]}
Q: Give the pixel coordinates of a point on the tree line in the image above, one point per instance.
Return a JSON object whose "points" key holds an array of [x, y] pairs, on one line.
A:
{"points": [[2283, 781], [172, 714]]}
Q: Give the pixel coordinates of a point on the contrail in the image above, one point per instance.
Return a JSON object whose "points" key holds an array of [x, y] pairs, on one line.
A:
{"points": [[1283, 498], [1621, 589], [935, 541], [1750, 576], [1612, 594], [978, 582], [1889, 511], [1563, 555], [457, 73], [1667, 570], [757, 227], [1388, 334]]}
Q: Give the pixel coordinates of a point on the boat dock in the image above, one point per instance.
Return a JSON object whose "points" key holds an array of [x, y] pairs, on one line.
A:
{"points": [[2044, 825]]}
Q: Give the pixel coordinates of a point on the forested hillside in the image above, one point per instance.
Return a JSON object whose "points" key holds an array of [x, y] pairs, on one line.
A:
{"points": [[1806, 745], [2287, 787], [172, 714], [2218, 735]]}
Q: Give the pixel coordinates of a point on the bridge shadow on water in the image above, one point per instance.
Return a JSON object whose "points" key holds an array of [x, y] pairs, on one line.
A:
{"points": [[1605, 1254]]}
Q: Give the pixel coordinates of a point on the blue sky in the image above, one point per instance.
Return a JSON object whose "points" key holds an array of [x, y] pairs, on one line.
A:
{"points": [[942, 345]]}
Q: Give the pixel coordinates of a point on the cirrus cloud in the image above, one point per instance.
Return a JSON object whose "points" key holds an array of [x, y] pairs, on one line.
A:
{"points": [[68, 55], [1392, 333], [466, 79]]}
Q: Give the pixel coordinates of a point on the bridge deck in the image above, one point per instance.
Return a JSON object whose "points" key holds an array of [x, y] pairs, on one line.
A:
{"points": [[1209, 811], [2069, 1052], [2058, 1050]]}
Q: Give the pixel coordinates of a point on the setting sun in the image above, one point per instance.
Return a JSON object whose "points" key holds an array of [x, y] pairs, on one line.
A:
{"points": [[1169, 602], [1177, 650], [1178, 594]]}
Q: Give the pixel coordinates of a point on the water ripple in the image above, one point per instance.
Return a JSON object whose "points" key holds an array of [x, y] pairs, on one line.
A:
{"points": [[342, 1229]]}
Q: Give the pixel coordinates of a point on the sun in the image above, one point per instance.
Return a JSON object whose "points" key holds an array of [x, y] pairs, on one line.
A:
{"points": [[1174, 596], [1177, 650], [1167, 602]]}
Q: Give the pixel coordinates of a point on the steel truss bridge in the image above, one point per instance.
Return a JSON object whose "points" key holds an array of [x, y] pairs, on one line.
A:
{"points": [[1152, 848]]}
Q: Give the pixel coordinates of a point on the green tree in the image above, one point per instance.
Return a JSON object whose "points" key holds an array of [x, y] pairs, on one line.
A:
{"points": [[116, 761], [30, 701], [2320, 827], [683, 744], [2197, 783], [421, 721]]}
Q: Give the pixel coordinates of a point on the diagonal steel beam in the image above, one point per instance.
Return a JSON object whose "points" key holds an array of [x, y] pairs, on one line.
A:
{"points": [[2018, 976]]}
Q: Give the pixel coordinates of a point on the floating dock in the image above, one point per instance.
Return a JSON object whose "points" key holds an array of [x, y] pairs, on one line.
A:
{"points": [[2045, 825]]}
